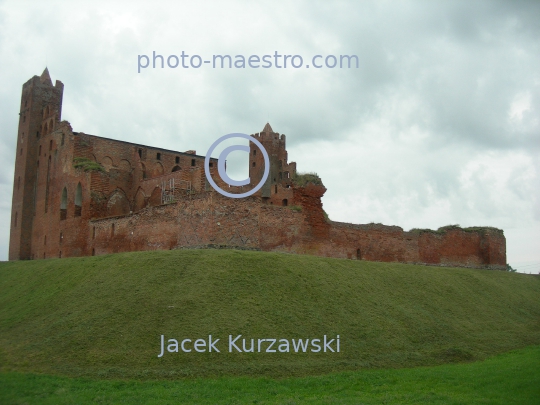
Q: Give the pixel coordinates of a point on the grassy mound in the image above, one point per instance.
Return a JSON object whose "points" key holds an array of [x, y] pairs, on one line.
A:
{"points": [[510, 378], [103, 316]]}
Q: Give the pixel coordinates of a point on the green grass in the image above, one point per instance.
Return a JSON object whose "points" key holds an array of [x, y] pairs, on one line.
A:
{"points": [[511, 378], [102, 317]]}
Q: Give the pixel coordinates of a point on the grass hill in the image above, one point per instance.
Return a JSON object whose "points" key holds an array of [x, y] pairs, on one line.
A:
{"points": [[103, 316]]}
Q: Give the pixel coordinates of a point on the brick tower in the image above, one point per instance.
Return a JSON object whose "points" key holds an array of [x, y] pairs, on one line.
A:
{"points": [[281, 172], [40, 112]]}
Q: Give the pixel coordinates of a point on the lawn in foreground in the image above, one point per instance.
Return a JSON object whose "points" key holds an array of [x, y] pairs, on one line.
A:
{"points": [[510, 378]]}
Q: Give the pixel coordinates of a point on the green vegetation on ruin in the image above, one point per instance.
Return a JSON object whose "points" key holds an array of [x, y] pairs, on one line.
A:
{"points": [[87, 165], [102, 316], [302, 179], [446, 228]]}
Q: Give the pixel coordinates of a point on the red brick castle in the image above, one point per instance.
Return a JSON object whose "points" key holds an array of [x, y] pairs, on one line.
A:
{"points": [[79, 195]]}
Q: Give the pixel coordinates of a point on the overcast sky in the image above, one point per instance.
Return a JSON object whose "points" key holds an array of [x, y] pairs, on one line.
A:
{"points": [[439, 124]]}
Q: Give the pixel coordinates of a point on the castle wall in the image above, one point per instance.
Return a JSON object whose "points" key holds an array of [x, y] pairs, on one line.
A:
{"points": [[134, 168], [59, 231], [211, 219], [153, 228], [197, 220], [450, 246]]}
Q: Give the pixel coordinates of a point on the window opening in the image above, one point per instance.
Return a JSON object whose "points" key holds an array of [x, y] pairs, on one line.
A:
{"points": [[47, 184], [78, 200], [63, 205]]}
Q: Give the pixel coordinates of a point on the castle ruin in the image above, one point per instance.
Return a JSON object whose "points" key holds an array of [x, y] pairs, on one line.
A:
{"points": [[76, 194]]}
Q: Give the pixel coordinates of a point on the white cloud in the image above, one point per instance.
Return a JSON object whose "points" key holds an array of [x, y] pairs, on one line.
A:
{"points": [[520, 104]]}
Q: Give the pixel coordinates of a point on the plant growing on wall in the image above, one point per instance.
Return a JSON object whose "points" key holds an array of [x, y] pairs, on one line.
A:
{"points": [[87, 165], [302, 179]]}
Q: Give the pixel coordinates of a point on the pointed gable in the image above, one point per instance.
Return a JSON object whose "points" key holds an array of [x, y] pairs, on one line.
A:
{"points": [[46, 77], [267, 128]]}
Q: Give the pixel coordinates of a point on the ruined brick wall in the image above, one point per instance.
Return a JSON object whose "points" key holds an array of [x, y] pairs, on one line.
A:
{"points": [[60, 221], [153, 228], [474, 247], [480, 247], [454, 247], [209, 218], [200, 219], [134, 171]]}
